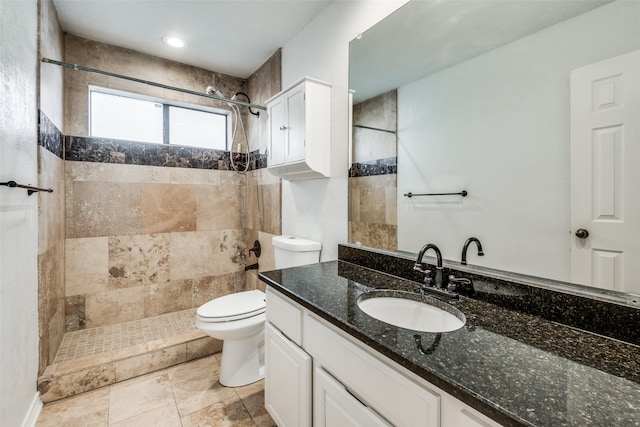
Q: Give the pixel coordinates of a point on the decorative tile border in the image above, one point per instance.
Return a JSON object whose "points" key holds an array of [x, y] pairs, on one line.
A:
{"points": [[49, 136], [375, 167], [105, 150]]}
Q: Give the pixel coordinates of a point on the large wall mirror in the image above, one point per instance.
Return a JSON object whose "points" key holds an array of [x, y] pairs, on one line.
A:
{"points": [[531, 107]]}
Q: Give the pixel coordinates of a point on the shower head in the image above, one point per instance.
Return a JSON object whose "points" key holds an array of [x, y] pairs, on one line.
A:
{"points": [[213, 91]]}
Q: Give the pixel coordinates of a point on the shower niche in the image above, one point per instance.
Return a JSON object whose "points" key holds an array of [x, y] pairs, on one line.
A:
{"points": [[299, 131]]}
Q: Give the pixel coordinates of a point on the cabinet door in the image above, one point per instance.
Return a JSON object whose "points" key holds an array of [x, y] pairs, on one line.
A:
{"points": [[398, 399], [287, 380], [296, 124], [335, 406], [277, 132]]}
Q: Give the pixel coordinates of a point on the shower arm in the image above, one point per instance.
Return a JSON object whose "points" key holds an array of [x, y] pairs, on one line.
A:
{"points": [[257, 113], [150, 83]]}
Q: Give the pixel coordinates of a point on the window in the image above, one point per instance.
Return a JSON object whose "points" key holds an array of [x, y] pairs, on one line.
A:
{"points": [[123, 115]]}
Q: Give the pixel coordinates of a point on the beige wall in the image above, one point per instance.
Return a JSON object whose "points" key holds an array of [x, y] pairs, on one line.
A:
{"points": [[51, 209]]}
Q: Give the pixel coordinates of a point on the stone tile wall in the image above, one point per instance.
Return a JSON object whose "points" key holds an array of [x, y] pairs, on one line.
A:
{"points": [[144, 241], [372, 211]]}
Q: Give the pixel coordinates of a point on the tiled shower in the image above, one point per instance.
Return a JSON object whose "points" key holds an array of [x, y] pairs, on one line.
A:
{"points": [[138, 231]]}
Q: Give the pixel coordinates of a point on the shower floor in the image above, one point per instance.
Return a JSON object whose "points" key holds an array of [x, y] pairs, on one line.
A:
{"points": [[103, 339], [97, 357]]}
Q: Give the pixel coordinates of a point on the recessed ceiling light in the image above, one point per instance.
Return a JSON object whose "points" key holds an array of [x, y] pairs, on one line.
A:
{"points": [[173, 41]]}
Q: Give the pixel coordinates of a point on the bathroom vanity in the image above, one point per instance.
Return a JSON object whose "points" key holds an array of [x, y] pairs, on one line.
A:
{"points": [[329, 363]]}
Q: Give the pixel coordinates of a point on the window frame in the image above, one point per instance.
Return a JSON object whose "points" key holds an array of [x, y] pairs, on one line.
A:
{"points": [[166, 103]]}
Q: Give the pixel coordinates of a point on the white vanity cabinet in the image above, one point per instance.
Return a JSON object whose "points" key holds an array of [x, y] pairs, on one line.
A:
{"points": [[299, 131], [288, 376], [334, 405], [352, 385]]}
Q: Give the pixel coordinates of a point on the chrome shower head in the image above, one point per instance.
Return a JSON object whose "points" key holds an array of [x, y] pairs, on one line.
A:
{"points": [[213, 91]]}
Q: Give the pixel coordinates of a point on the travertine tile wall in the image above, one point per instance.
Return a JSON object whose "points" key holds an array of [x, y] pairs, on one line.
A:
{"points": [[372, 199], [51, 222], [372, 211], [147, 240], [263, 193]]}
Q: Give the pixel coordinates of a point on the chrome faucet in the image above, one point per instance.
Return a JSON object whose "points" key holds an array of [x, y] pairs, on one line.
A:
{"points": [[466, 246], [438, 279]]}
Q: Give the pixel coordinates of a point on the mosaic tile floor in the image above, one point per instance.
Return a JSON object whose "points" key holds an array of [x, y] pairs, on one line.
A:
{"points": [[102, 339]]}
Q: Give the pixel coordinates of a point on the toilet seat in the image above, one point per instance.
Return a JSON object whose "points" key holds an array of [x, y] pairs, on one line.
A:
{"points": [[237, 306]]}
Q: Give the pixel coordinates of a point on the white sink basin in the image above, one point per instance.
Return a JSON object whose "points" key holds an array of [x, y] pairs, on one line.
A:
{"points": [[411, 311]]}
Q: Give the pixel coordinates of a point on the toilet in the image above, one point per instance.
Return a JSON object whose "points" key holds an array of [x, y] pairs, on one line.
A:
{"points": [[291, 251], [238, 319]]}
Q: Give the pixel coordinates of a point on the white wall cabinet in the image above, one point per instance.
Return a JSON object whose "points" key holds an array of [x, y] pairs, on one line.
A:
{"points": [[299, 131], [352, 384]]}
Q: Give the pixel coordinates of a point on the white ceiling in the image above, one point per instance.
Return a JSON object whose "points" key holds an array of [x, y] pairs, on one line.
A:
{"points": [[425, 36], [233, 37]]}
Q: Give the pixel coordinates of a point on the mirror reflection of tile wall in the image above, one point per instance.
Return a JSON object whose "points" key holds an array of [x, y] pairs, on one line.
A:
{"points": [[372, 177]]}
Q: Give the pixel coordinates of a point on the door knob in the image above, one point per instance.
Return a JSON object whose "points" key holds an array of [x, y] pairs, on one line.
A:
{"points": [[581, 233]]}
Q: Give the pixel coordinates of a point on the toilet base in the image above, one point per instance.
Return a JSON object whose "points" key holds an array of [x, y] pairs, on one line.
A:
{"points": [[242, 361]]}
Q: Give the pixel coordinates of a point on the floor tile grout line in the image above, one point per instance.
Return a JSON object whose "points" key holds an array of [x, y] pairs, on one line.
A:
{"points": [[246, 408], [173, 395]]}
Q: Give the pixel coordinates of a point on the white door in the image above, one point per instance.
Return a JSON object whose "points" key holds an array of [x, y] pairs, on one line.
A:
{"points": [[287, 389], [605, 173]]}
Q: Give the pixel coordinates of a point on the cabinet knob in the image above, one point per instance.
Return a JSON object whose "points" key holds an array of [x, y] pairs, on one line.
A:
{"points": [[283, 128]]}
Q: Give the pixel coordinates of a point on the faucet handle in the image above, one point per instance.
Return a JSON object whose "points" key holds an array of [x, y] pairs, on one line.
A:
{"points": [[418, 267], [458, 283], [459, 280]]}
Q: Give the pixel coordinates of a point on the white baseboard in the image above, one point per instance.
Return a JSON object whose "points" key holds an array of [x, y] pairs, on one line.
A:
{"points": [[34, 412]]}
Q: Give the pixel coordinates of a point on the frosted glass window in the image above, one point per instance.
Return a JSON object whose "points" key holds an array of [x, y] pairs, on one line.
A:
{"points": [[197, 128], [120, 117]]}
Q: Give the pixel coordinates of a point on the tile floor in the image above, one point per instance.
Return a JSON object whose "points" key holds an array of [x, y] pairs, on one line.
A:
{"points": [[184, 395]]}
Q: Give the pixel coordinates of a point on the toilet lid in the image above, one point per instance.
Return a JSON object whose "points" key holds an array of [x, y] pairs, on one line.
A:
{"points": [[233, 307]]}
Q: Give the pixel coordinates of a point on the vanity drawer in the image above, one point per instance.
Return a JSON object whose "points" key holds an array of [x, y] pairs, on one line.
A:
{"points": [[285, 315], [397, 398]]}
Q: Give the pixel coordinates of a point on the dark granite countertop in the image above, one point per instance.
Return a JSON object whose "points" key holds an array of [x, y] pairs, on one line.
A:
{"points": [[517, 368]]}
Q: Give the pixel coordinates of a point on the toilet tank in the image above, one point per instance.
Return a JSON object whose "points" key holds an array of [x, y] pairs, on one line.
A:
{"points": [[291, 251]]}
